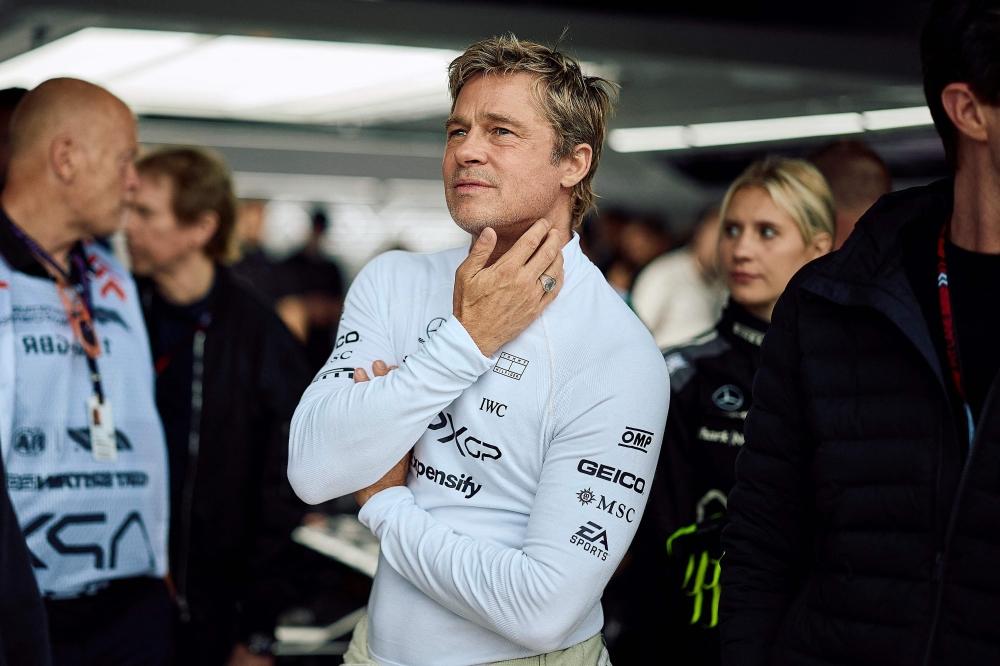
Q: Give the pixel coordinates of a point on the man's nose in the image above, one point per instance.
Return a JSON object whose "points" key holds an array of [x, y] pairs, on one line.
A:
{"points": [[472, 149], [131, 179]]}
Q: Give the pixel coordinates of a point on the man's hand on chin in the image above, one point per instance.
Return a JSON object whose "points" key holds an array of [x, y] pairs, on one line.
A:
{"points": [[397, 475], [496, 304]]}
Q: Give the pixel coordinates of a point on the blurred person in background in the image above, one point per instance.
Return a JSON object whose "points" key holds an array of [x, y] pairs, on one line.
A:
{"points": [[309, 292], [229, 375], [600, 236], [866, 514], [253, 266], [641, 239], [857, 176], [680, 295], [776, 217], [82, 442], [9, 98]]}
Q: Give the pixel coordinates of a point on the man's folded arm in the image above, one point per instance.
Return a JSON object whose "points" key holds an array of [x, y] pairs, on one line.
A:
{"points": [[538, 595], [767, 542], [345, 436]]}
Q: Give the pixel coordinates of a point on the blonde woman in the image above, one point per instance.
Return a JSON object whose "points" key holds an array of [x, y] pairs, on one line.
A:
{"points": [[776, 217]]}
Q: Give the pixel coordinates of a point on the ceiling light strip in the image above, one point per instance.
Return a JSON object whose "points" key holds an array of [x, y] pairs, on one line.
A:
{"points": [[679, 137]]}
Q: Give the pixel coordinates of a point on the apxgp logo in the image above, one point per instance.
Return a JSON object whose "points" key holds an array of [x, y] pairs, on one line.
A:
{"points": [[588, 537], [635, 438], [608, 473], [511, 366], [475, 447]]}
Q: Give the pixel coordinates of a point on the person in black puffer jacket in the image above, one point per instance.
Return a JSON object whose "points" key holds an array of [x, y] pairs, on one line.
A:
{"points": [[865, 520]]}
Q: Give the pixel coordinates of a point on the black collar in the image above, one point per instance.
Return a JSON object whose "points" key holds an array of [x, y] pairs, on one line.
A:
{"points": [[15, 252], [740, 327]]}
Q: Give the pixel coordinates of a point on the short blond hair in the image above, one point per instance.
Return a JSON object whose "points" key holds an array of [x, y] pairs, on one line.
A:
{"points": [[796, 187], [576, 105]]}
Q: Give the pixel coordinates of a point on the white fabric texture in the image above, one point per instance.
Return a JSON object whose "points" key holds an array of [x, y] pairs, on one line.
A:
{"points": [[530, 472], [674, 300], [86, 521]]}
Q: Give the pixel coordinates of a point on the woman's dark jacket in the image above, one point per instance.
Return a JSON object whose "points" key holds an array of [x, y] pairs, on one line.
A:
{"points": [[243, 508], [860, 532], [710, 392]]}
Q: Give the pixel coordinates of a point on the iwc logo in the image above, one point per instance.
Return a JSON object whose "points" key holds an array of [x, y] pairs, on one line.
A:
{"points": [[728, 398], [586, 496], [29, 441]]}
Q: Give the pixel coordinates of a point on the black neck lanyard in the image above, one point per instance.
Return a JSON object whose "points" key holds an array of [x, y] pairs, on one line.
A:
{"points": [[948, 324], [81, 323]]}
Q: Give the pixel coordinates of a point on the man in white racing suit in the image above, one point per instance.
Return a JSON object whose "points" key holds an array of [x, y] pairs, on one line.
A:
{"points": [[535, 398]]}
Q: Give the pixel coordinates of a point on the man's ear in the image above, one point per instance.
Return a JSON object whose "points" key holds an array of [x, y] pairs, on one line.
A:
{"points": [[576, 165], [204, 227], [965, 110], [64, 158]]}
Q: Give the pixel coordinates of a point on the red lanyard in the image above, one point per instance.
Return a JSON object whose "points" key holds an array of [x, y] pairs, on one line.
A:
{"points": [[75, 297], [948, 324]]}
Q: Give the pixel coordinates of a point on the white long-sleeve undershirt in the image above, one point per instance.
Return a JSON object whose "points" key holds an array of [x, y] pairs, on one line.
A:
{"points": [[530, 471]]}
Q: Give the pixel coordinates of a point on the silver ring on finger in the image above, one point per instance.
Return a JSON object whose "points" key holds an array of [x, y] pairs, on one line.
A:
{"points": [[548, 282]]}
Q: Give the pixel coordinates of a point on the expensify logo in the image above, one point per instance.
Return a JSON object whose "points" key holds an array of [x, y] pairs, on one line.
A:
{"points": [[463, 484]]}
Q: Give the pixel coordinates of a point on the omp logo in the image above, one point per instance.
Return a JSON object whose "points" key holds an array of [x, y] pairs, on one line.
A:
{"points": [[82, 437], [589, 537], [347, 373], [29, 441], [636, 438], [511, 366], [474, 447], [608, 473]]}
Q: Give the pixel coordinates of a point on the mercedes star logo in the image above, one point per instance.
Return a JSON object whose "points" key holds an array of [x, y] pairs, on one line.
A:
{"points": [[728, 398]]}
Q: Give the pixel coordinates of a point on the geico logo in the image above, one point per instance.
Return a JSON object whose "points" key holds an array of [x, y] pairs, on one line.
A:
{"points": [[475, 447], [588, 536], [348, 338], [463, 484], [616, 509], [609, 473], [635, 438], [56, 344], [54, 538]]}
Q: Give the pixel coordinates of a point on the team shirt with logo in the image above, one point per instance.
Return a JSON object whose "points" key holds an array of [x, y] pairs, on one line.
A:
{"points": [[530, 468], [85, 521]]}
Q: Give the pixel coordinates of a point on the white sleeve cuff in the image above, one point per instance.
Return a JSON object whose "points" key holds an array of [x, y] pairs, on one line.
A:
{"points": [[380, 507]]}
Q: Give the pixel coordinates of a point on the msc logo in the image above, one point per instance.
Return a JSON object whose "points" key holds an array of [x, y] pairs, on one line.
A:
{"points": [[29, 441], [511, 366], [588, 537], [608, 473], [616, 509], [635, 438], [335, 373], [475, 447], [586, 496]]}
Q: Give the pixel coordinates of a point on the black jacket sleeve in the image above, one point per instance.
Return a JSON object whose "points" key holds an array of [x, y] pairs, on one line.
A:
{"points": [[24, 630], [767, 542], [282, 377]]}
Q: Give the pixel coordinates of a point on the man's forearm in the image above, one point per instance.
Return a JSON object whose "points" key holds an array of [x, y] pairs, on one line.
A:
{"points": [[345, 439]]}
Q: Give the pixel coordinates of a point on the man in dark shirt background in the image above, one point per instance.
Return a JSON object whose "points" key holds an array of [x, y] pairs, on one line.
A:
{"points": [[229, 375], [866, 515]]}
